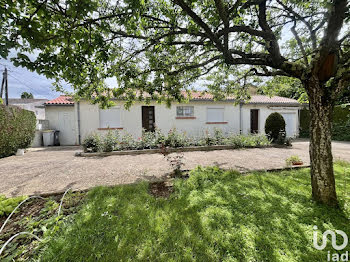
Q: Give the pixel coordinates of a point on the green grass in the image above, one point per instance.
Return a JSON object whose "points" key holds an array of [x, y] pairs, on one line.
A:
{"points": [[212, 216]]}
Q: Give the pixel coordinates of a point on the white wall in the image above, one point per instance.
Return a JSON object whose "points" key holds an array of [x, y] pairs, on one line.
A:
{"points": [[264, 112], [63, 118], [165, 119]]}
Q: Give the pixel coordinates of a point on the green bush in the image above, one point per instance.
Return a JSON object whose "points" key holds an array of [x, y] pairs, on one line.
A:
{"points": [[92, 143], [17, 129], [149, 140], [176, 139], [275, 126], [109, 142], [341, 123], [7, 205]]}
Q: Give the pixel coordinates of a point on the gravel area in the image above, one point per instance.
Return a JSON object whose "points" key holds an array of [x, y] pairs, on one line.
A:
{"points": [[50, 170]]}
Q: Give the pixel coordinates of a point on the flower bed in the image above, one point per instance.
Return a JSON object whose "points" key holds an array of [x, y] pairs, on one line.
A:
{"points": [[153, 141]]}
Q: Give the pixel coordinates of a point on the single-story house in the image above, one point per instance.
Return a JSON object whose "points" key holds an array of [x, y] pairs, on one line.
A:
{"points": [[76, 120]]}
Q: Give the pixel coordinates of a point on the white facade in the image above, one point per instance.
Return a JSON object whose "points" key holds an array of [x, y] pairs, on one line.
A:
{"points": [[230, 118]]}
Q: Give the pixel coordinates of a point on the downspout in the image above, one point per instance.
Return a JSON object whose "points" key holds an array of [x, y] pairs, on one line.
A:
{"points": [[240, 118], [78, 112]]}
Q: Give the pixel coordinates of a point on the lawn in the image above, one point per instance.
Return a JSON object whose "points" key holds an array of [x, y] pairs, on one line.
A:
{"points": [[214, 215]]}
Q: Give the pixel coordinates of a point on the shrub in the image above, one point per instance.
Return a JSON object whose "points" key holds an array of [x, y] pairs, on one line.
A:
{"points": [[17, 129], [275, 127], [149, 139], [176, 139], [109, 142], [7, 205], [92, 143]]}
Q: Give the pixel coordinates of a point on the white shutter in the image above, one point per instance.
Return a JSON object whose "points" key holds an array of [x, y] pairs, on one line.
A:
{"points": [[215, 114], [110, 118]]}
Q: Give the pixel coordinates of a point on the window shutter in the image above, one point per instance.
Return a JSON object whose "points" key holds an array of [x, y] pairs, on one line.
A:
{"points": [[215, 114], [110, 118]]}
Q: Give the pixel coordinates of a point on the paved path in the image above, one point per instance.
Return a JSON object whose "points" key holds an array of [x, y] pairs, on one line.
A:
{"points": [[48, 170]]}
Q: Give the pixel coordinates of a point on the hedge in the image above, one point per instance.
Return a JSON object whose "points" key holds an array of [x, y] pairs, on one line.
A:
{"points": [[341, 123], [17, 129]]}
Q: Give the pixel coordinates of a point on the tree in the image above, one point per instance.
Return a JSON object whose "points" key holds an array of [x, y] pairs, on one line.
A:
{"points": [[26, 95], [160, 47]]}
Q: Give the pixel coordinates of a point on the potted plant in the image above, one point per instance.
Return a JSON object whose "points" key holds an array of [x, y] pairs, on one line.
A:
{"points": [[294, 161]]}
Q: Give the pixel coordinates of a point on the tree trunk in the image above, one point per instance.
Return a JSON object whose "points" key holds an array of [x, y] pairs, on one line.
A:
{"points": [[321, 159]]}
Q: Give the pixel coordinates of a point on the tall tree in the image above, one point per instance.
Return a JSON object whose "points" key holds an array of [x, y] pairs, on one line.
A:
{"points": [[163, 46], [26, 95]]}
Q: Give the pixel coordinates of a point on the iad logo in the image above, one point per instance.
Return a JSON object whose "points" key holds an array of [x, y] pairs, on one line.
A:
{"points": [[334, 256]]}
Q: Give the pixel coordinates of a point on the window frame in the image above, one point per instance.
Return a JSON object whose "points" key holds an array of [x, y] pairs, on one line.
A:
{"points": [[183, 115]]}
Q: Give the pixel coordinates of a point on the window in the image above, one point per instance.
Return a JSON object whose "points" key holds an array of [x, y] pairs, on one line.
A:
{"points": [[184, 111], [110, 118], [215, 115]]}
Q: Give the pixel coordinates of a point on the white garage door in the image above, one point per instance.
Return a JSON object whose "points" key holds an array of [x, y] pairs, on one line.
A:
{"points": [[290, 119]]}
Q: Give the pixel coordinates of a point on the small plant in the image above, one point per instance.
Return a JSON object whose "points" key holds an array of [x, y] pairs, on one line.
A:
{"points": [[92, 143], [293, 160], [109, 142], [218, 136], [176, 162]]}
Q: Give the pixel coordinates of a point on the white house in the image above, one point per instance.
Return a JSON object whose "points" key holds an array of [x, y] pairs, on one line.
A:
{"points": [[76, 120]]}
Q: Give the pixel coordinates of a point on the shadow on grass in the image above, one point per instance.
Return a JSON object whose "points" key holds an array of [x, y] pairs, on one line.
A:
{"points": [[214, 215]]}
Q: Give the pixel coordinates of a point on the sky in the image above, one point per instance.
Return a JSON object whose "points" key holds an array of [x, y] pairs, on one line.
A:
{"points": [[22, 80]]}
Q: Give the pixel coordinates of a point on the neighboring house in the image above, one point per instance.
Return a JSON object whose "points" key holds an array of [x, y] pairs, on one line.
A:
{"points": [[76, 120], [35, 105]]}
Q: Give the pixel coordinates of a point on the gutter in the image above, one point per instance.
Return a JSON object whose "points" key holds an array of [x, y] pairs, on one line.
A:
{"points": [[78, 112], [240, 118]]}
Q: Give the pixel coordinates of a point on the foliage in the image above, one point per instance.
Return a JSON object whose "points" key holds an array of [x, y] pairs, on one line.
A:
{"points": [[285, 87], [275, 127], [341, 123], [38, 217], [292, 160], [7, 205], [109, 142], [214, 215], [92, 143], [174, 139], [17, 129], [176, 162], [26, 95], [1, 101], [162, 47]]}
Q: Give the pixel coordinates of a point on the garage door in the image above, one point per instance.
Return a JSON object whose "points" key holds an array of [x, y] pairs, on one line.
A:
{"points": [[290, 119]]}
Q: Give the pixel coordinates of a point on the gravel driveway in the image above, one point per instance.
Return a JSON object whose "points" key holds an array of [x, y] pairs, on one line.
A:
{"points": [[49, 170]]}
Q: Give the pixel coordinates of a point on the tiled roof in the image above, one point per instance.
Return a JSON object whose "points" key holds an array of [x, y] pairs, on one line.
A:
{"points": [[61, 100], [255, 99], [260, 99], [199, 96]]}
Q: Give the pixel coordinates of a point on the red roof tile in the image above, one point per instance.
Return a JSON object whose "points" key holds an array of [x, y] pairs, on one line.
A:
{"points": [[197, 96], [61, 100], [255, 99]]}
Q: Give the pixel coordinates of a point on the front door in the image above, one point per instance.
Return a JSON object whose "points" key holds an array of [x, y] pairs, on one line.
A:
{"points": [[148, 119], [254, 121]]}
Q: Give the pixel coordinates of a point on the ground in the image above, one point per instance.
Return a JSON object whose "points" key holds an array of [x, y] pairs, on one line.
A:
{"points": [[213, 215], [48, 170]]}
